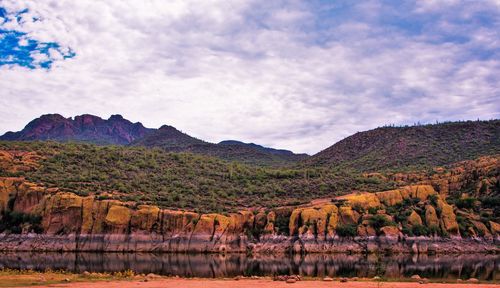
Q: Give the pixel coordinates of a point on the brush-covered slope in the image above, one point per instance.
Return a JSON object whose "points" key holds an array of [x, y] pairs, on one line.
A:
{"points": [[118, 131], [84, 128], [170, 139], [172, 180], [412, 147]]}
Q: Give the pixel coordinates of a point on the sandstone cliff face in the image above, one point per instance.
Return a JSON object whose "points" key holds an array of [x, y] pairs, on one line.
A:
{"points": [[412, 218], [481, 175], [74, 223]]}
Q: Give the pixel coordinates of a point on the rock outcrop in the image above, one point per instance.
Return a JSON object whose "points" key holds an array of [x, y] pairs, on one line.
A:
{"points": [[74, 223], [413, 218], [480, 176]]}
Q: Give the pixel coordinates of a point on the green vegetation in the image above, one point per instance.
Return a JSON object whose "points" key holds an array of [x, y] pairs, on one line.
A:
{"points": [[14, 222], [420, 230], [181, 180], [349, 230], [281, 224], [465, 203], [379, 221], [412, 147]]}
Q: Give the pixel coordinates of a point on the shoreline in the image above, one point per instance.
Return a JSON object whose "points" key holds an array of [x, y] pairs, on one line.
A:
{"points": [[58, 279]]}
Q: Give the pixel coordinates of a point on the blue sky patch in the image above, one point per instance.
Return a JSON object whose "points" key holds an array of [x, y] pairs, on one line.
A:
{"points": [[17, 48]]}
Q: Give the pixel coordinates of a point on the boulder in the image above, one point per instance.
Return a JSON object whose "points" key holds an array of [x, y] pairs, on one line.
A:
{"points": [[313, 220], [348, 216], [390, 198], [448, 218], [61, 213], [421, 192], [333, 218], [390, 231], [414, 219], [481, 228], [293, 225], [431, 218], [495, 228], [7, 188], [118, 219], [328, 279]]}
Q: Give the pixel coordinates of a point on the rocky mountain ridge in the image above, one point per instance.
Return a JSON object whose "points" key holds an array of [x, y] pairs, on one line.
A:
{"points": [[118, 131], [85, 128]]}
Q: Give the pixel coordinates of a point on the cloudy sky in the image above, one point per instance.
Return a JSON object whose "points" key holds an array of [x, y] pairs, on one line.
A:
{"points": [[299, 75]]}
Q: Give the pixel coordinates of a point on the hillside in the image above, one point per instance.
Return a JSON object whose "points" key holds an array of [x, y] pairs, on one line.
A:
{"points": [[118, 131], [172, 140], [82, 197], [409, 148], [174, 180]]}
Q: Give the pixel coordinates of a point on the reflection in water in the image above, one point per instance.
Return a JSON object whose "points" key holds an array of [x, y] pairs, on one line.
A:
{"points": [[485, 267]]}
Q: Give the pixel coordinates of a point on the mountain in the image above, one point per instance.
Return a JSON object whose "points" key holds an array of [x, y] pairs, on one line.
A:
{"points": [[173, 140], [83, 128], [412, 147], [118, 131]]}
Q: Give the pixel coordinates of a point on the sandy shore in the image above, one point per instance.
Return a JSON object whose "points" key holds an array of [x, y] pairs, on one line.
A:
{"points": [[261, 283]]}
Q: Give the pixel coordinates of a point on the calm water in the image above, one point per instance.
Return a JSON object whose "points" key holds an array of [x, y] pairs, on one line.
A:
{"points": [[485, 267]]}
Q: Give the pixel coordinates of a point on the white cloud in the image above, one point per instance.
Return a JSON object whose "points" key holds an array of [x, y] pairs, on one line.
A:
{"points": [[258, 71], [23, 42]]}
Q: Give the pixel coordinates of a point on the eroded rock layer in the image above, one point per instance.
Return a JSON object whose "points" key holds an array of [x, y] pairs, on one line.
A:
{"points": [[414, 218]]}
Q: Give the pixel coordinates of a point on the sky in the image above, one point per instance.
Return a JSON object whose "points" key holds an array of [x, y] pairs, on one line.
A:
{"points": [[299, 75]]}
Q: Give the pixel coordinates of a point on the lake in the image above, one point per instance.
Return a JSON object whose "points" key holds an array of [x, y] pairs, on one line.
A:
{"points": [[451, 267]]}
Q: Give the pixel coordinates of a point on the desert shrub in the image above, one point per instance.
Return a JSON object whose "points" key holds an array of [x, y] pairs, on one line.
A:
{"points": [[373, 210], [12, 221], [281, 224], [463, 226], [434, 199], [379, 221], [349, 230], [491, 202], [358, 208], [465, 203], [401, 216], [420, 230]]}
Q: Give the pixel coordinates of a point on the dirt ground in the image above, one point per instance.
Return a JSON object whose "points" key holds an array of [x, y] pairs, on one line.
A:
{"points": [[261, 283]]}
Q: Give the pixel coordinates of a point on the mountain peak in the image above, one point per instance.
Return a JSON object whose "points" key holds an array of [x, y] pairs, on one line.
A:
{"points": [[167, 128], [116, 117], [85, 127]]}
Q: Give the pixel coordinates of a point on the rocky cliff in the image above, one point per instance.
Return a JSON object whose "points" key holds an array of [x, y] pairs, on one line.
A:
{"points": [[38, 219], [86, 128], [448, 209]]}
